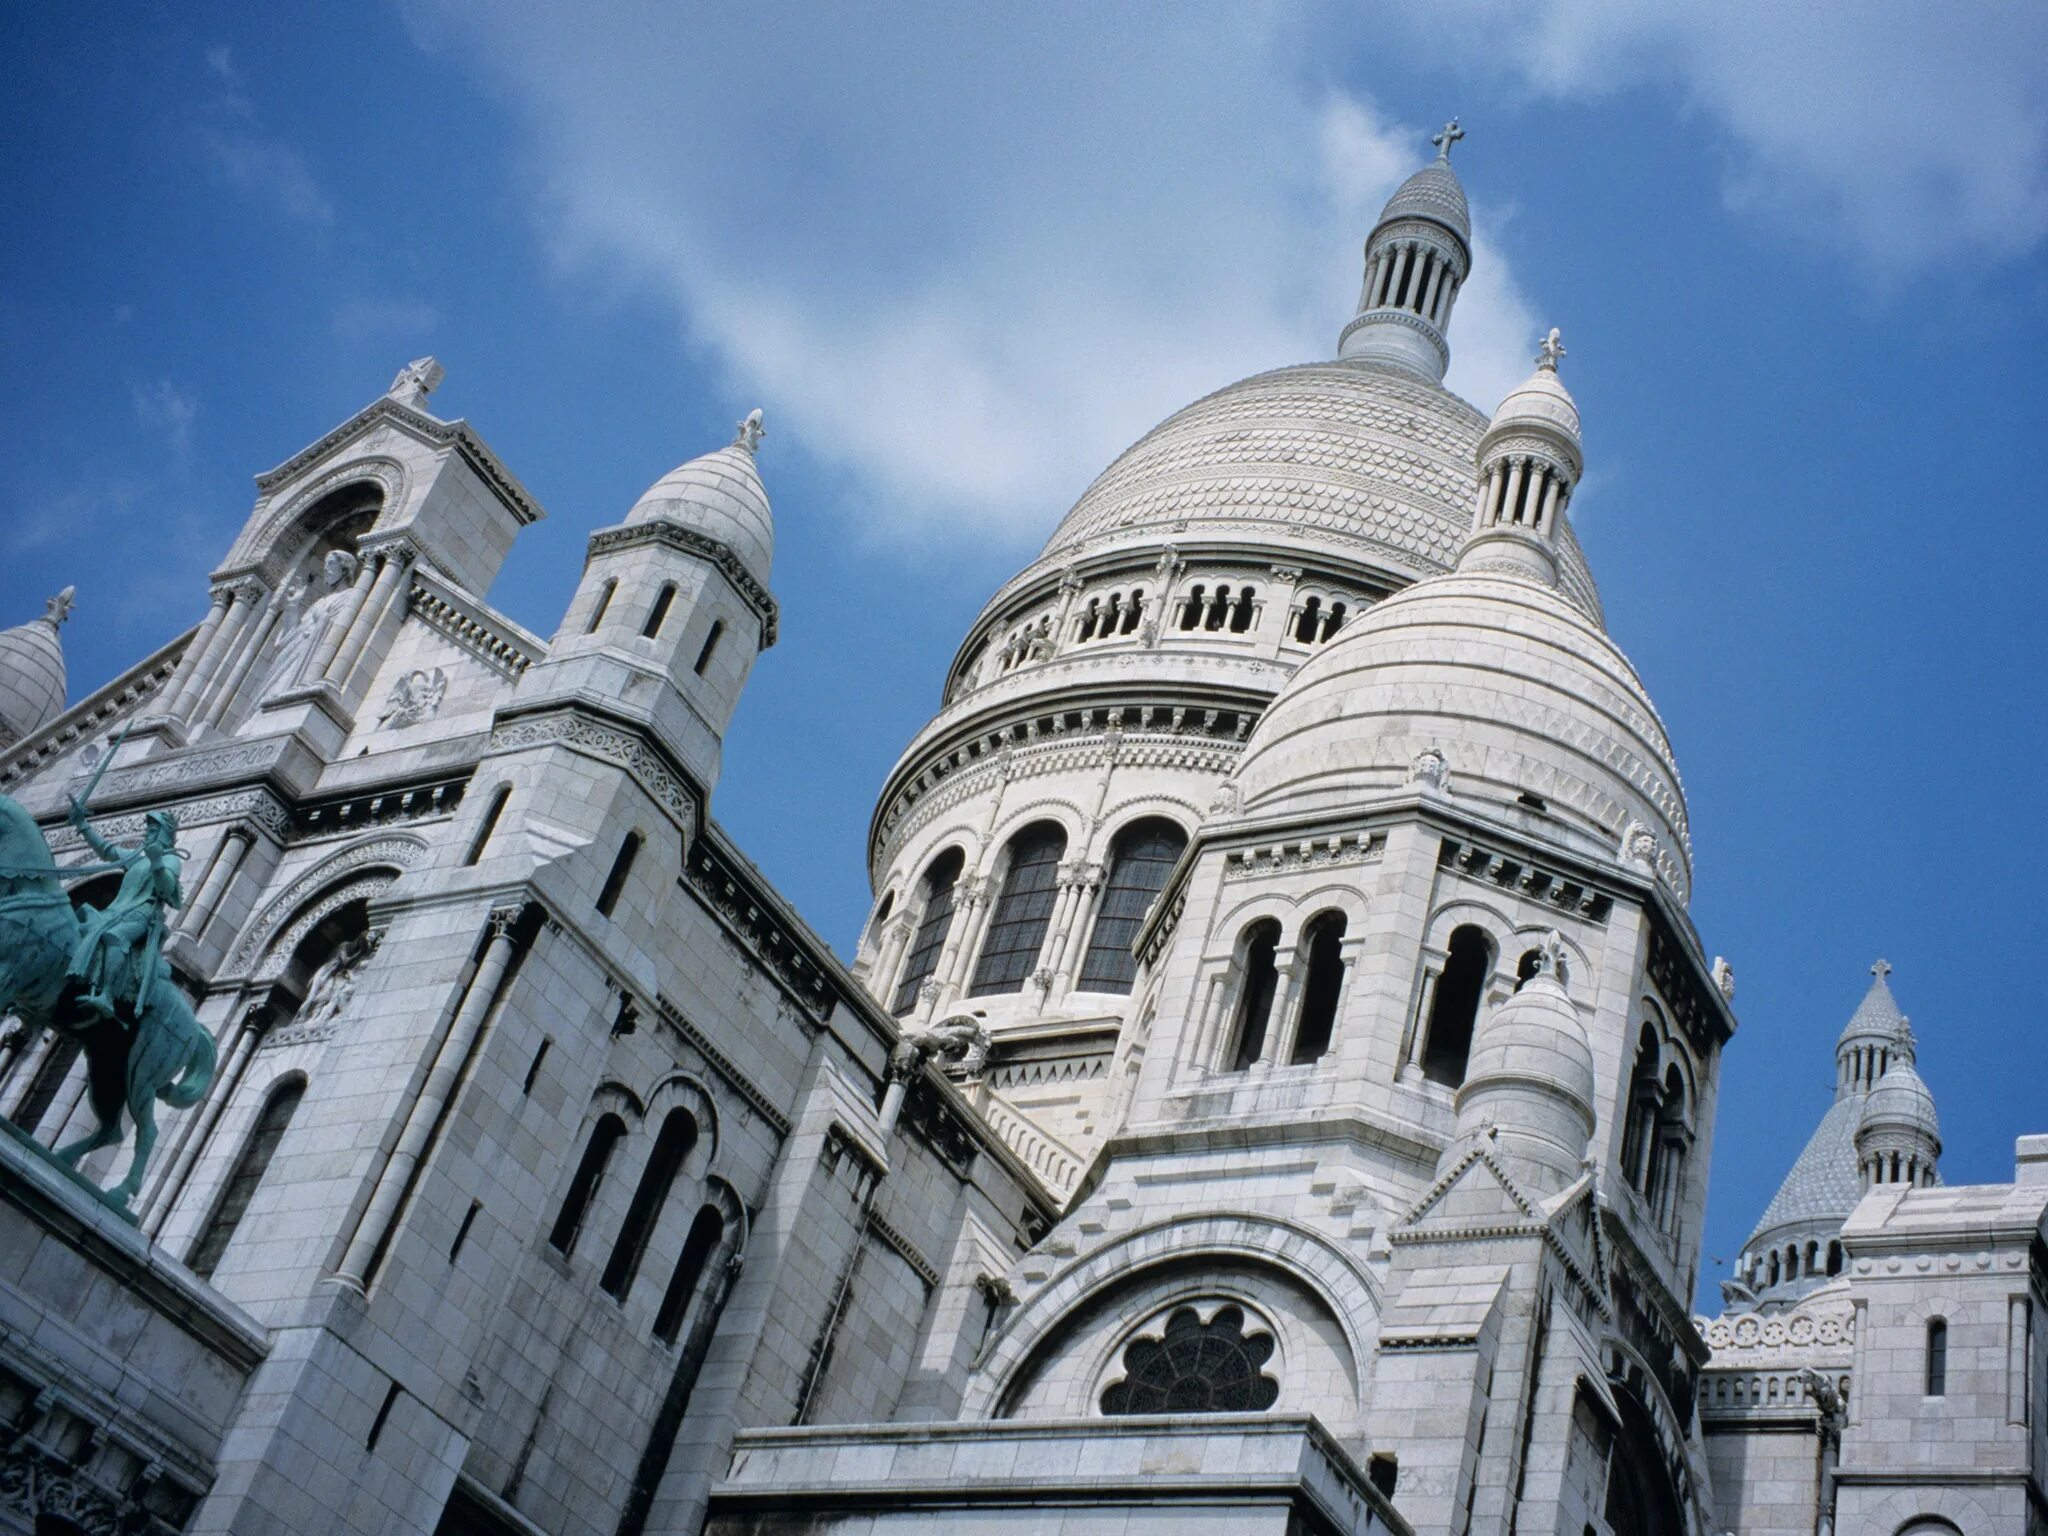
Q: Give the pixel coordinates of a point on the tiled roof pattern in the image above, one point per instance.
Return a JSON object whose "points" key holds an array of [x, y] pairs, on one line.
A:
{"points": [[1432, 193], [1823, 1184], [1878, 1014]]}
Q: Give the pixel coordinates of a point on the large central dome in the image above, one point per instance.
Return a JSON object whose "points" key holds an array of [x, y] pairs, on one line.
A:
{"points": [[1344, 454]]}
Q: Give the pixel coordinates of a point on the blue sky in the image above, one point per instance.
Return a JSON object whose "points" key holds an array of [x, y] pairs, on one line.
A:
{"points": [[963, 257]]}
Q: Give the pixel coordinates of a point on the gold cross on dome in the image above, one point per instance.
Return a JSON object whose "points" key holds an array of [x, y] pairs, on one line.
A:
{"points": [[1444, 140]]}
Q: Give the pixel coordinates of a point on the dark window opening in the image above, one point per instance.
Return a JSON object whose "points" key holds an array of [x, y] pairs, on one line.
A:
{"points": [[1455, 1009], [1023, 910], [1532, 802], [1196, 1367], [462, 1232], [658, 614], [710, 645], [1259, 980], [597, 1155], [1526, 968], [1192, 609], [383, 1417], [1383, 1471], [489, 824], [940, 883], [1835, 1257], [533, 1069], [1143, 856], [678, 1134], [615, 882], [698, 1247], [1324, 938], [1937, 1358], [604, 601], [1310, 616], [247, 1176]]}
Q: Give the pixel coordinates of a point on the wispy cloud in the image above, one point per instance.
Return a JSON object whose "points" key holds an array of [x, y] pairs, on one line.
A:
{"points": [[166, 408], [968, 268], [253, 161], [358, 320]]}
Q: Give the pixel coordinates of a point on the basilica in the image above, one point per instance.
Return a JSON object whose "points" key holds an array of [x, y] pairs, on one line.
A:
{"points": [[1273, 1091]]}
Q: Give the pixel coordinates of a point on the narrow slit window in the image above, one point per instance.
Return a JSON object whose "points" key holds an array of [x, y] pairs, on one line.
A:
{"points": [[658, 614], [705, 1234], [710, 645], [677, 1136], [605, 1137], [604, 602], [615, 882], [489, 824], [1260, 980], [1320, 987], [1455, 1009], [1937, 1357]]}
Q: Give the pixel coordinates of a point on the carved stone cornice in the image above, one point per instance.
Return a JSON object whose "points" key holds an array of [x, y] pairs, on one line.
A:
{"points": [[257, 806], [904, 1249], [470, 625], [723, 1066], [704, 547], [728, 893], [1514, 871], [653, 769], [1316, 853]]}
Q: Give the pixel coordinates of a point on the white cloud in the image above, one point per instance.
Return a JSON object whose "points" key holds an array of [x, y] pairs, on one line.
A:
{"points": [[269, 169], [1906, 136], [968, 263], [220, 60], [164, 407], [400, 320]]}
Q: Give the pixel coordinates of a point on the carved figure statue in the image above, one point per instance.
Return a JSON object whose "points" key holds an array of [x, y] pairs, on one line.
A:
{"points": [[159, 1051], [415, 697], [1639, 845], [749, 433], [1550, 349], [1432, 770], [334, 984], [959, 1043], [1226, 800], [303, 630], [118, 946], [1724, 978]]}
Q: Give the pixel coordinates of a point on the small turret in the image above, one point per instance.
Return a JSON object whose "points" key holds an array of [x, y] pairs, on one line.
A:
{"points": [[1529, 461], [32, 681], [1529, 1080], [1875, 1034], [1898, 1140], [1416, 260]]}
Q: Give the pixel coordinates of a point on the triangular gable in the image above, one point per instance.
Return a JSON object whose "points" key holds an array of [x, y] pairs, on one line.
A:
{"points": [[1475, 1191]]}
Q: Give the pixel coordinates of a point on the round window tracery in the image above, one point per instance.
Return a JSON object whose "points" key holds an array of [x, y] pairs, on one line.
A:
{"points": [[1196, 1367]]}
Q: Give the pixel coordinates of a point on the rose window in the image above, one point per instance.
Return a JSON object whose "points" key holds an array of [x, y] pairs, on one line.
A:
{"points": [[1196, 1367]]}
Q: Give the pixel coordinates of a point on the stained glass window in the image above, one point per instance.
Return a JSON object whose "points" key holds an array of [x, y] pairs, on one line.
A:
{"points": [[1196, 1367], [1023, 911], [1138, 869], [930, 938]]}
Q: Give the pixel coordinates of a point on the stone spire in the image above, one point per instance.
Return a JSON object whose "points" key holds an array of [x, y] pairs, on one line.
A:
{"points": [[1416, 260], [720, 494], [1529, 461], [32, 680], [1876, 1033]]}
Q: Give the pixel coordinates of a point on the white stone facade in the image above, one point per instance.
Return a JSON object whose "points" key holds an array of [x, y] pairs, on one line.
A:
{"points": [[1274, 1090]]}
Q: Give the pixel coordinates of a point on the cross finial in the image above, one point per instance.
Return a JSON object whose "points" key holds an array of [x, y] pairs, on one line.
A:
{"points": [[1550, 349], [1882, 969], [57, 609], [750, 432], [1443, 141]]}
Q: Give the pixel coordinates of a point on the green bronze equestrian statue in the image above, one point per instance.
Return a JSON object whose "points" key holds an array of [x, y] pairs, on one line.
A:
{"points": [[102, 981]]}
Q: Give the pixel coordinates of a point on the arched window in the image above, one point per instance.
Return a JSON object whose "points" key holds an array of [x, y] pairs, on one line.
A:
{"points": [[1640, 1129], [1088, 617], [605, 1137], [1306, 624], [658, 614], [1192, 608], [1196, 1367], [1771, 1269], [248, 1174], [677, 1135], [940, 879], [1526, 968], [1023, 910], [1258, 980], [604, 601], [1937, 1357], [615, 882], [1139, 862], [1455, 1008], [489, 824], [1335, 622], [1835, 1256], [698, 1247], [1241, 611], [710, 646], [1324, 940], [1134, 610]]}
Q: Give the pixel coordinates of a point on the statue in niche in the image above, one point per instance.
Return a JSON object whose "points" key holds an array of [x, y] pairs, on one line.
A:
{"points": [[415, 697], [334, 984], [305, 624]]}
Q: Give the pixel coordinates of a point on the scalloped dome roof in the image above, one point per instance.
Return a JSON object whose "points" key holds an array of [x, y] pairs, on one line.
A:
{"points": [[720, 495], [1350, 456], [1434, 193], [32, 678], [1901, 1101], [1541, 400], [1516, 687]]}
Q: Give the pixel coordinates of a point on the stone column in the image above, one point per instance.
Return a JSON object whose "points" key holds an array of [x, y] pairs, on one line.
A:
{"points": [[191, 701], [1278, 1045], [249, 666], [395, 563], [1436, 283], [449, 1060], [1552, 487], [1514, 489], [236, 656], [227, 863], [1393, 298], [198, 1129], [195, 653], [889, 958]]}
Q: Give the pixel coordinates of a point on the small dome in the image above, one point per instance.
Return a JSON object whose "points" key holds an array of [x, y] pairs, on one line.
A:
{"points": [[1521, 693], [1900, 1102], [721, 496], [1878, 1017], [1535, 1039], [1432, 193], [32, 678], [1541, 402]]}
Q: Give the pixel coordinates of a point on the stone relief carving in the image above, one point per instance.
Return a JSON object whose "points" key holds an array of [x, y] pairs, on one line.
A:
{"points": [[305, 624], [414, 697], [1432, 770], [603, 741]]}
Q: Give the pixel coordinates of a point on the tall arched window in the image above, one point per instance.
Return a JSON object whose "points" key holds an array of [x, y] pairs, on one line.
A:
{"points": [[604, 601], [1640, 1130], [698, 1247], [671, 1145], [615, 882], [489, 824], [1023, 910], [1937, 1357], [1259, 979], [248, 1174], [1143, 855], [940, 879], [597, 1155], [1323, 938], [710, 646], [1455, 1008], [658, 614]]}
